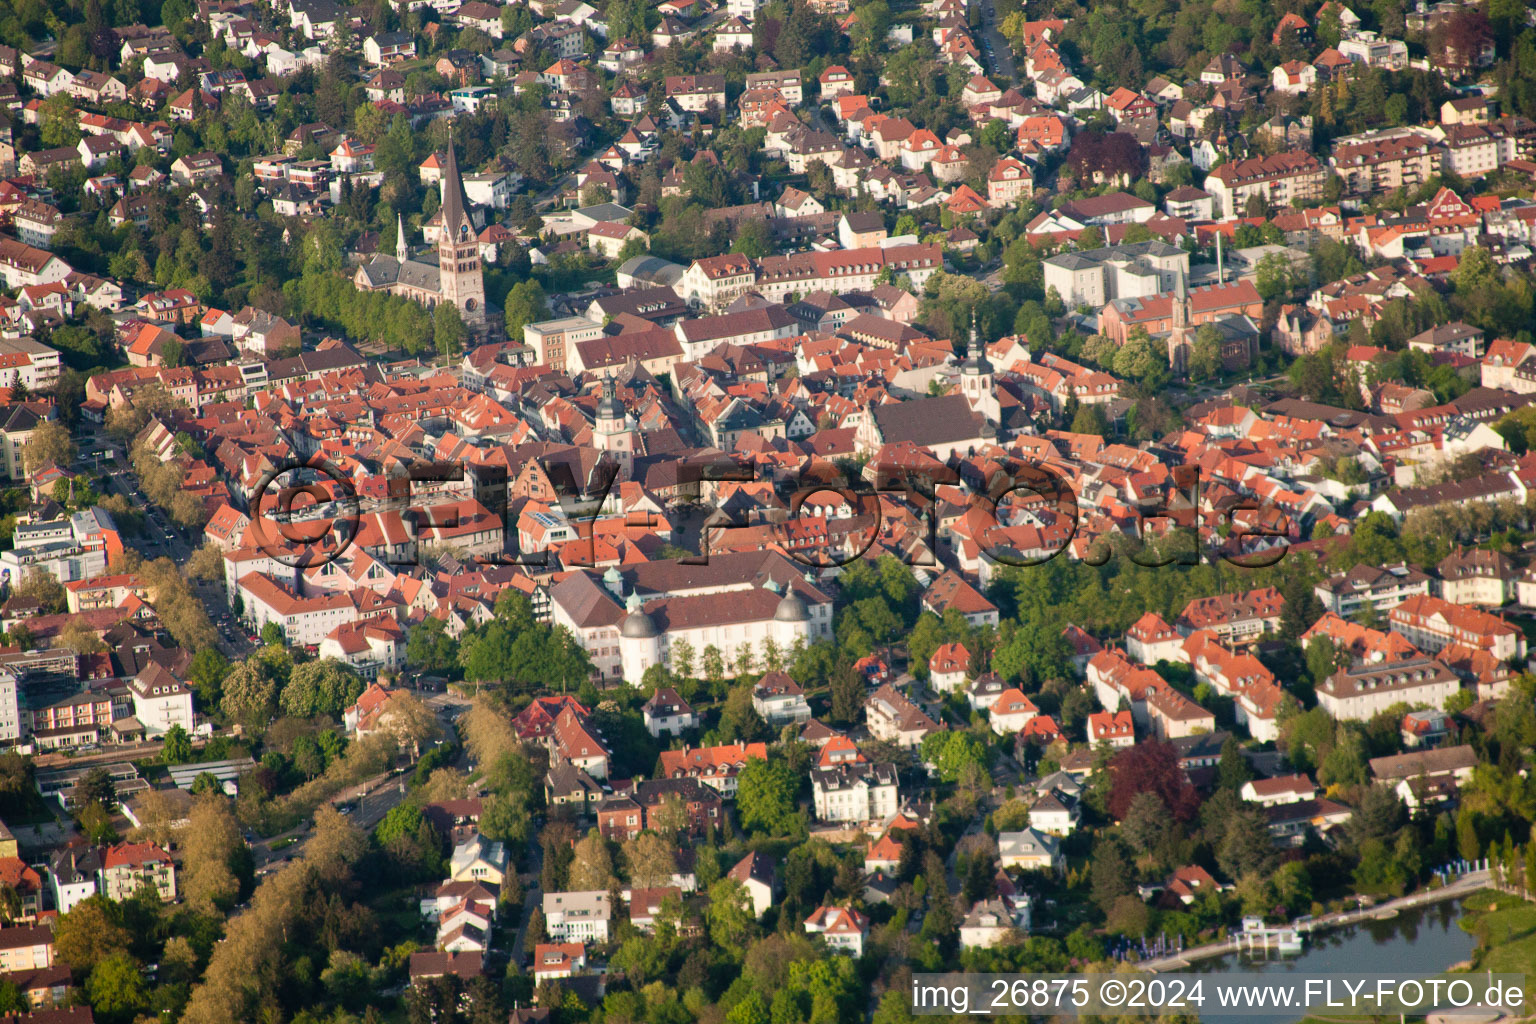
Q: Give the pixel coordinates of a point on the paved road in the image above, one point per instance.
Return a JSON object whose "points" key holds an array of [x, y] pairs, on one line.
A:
{"points": [[370, 801], [533, 897], [162, 539], [1000, 61]]}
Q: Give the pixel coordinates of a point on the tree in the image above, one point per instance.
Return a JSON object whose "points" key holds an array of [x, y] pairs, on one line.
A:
{"points": [[847, 695], [525, 304], [670, 817], [206, 673], [177, 748], [1468, 844], [250, 689], [116, 989], [409, 722], [1205, 354], [1036, 651], [41, 587], [649, 860], [487, 733], [447, 329], [411, 842], [1233, 769], [713, 665], [89, 934], [738, 719], [1246, 845], [1140, 360], [206, 563], [1151, 766], [765, 797], [212, 849], [323, 687], [730, 916], [49, 443], [80, 637], [592, 868], [1109, 874], [97, 787], [1146, 823], [1302, 608], [60, 121], [1090, 419], [429, 647], [952, 751]]}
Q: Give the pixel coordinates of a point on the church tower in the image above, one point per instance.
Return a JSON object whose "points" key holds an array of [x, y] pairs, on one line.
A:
{"points": [[976, 382], [610, 429], [1181, 338], [460, 280], [402, 247]]}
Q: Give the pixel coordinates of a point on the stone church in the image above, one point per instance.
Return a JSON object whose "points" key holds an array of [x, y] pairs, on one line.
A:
{"points": [[452, 274]]}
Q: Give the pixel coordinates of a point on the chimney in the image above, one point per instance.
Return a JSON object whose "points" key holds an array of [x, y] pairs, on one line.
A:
{"points": [[1221, 277]]}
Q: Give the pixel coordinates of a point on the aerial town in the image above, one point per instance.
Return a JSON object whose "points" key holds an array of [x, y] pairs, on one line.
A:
{"points": [[605, 511]]}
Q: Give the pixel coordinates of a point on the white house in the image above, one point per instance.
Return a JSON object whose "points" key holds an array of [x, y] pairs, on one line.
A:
{"points": [[160, 700], [1030, 850], [668, 713], [854, 792], [1357, 693], [479, 860], [1053, 814], [991, 920], [948, 667], [843, 928], [1011, 712], [779, 700], [577, 916], [756, 874], [1282, 789]]}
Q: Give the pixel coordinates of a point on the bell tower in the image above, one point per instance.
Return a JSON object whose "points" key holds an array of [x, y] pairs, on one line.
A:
{"points": [[976, 382], [1181, 337], [460, 279], [611, 431]]}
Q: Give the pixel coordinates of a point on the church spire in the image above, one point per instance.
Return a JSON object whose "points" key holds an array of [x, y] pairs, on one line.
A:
{"points": [[402, 248], [455, 204], [976, 361]]}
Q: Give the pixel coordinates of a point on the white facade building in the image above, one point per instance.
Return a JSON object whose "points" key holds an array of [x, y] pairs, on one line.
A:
{"points": [[854, 792]]}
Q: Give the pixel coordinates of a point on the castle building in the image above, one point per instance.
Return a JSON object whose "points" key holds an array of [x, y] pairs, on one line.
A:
{"points": [[455, 275]]}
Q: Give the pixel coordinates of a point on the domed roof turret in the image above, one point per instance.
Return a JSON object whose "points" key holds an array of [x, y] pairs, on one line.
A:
{"points": [[976, 361], [791, 609], [637, 625], [609, 407]]}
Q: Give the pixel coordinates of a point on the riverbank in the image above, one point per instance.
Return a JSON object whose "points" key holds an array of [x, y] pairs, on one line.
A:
{"points": [[1466, 885], [1505, 927]]}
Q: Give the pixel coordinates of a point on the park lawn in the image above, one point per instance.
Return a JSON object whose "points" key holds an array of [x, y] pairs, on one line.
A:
{"points": [[1506, 929]]}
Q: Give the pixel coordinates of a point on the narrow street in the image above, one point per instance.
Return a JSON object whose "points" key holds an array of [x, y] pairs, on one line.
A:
{"points": [[533, 897], [998, 55]]}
